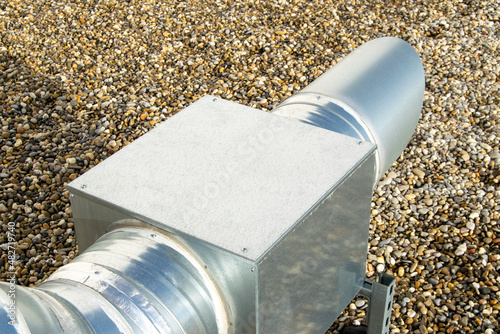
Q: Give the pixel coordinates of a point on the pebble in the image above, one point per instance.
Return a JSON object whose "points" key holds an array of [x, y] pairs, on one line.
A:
{"points": [[433, 281], [67, 107], [461, 250], [484, 290], [58, 231], [419, 173], [360, 303]]}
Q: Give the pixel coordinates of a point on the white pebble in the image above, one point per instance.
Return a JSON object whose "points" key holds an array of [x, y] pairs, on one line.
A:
{"points": [[474, 214], [360, 303], [460, 250]]}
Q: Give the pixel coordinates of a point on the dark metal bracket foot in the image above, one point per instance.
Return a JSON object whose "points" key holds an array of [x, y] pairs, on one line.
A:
{"points": [[380, 294]]}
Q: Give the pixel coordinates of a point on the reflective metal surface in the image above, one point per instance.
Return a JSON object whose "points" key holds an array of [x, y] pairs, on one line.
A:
{"points": [[233, 274], [132, 280], [268, 178], [226, 176], [311, 275], [227, 219], [375, 94], [277, 186]]}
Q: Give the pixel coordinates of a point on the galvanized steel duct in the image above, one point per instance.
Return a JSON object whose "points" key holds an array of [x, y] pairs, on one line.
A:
{"points": [[132, 280], [137, 279], [374, 94]]}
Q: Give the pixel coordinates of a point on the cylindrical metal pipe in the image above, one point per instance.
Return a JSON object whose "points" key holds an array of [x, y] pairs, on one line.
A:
{"points": [[374, 94], [132, 280]]}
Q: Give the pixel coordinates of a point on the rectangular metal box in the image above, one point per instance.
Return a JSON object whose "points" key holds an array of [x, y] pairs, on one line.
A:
{"points": [[277, 210]]}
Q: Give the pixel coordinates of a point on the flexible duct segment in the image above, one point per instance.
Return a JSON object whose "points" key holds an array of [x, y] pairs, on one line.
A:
{"points": [[132, 280]]}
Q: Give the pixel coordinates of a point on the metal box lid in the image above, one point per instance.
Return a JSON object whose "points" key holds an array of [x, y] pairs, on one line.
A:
{"points": [[232, 176]]}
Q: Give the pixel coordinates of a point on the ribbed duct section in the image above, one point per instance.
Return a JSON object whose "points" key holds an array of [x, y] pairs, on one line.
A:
{"points": [[131, 280]]}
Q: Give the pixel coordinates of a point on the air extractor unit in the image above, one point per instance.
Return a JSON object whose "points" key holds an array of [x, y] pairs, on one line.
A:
{"points": [[229, 219]]}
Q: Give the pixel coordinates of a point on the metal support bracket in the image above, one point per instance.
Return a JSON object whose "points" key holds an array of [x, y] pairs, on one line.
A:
{"points": [[380, 294]]}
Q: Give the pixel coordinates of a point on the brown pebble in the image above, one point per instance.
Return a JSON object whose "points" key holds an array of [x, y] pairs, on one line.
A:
{"points": [[58, 231]]}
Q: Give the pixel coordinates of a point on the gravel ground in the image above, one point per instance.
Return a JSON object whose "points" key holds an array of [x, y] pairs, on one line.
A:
{"points": [[81, 79]]}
